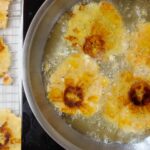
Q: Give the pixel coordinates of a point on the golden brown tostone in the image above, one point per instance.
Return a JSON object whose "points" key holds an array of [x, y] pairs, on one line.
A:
{"points": [[130, 100], [76, 86], [96, 27], [5, 135], [4, 6], [139, 52]]}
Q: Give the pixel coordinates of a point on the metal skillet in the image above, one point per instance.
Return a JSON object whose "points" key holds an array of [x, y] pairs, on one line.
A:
{"points": [[35, 42]]}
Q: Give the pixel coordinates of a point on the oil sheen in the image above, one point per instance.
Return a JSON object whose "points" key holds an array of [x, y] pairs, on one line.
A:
{"points": [[56, 50]]}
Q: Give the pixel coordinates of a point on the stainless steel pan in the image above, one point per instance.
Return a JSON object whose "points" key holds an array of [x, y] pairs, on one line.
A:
{"points": [[32, 80]]}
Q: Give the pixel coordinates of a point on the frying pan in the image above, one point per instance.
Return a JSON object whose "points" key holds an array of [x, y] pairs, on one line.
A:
{"points": [[35, 42]]}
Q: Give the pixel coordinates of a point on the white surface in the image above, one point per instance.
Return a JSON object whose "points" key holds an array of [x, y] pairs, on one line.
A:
{"points": [[11, 96]]}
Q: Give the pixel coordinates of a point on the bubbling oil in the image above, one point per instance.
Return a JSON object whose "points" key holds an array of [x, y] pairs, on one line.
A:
{"points": [[57, 50]]}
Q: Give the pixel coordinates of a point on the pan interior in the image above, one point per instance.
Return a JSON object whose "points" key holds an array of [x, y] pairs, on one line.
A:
{"points": [[56, 51]]}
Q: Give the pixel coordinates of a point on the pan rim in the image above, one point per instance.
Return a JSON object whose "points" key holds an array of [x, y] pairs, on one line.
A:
{"points": [[56, 136]]}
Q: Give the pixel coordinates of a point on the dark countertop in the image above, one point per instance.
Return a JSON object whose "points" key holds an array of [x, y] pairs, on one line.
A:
{"points": [[34, 137]]}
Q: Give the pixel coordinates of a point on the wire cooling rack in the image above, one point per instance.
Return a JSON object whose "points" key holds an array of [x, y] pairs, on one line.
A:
{"points": [[11, 96]]}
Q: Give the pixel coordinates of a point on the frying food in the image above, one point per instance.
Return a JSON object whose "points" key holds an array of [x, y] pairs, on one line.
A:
{"points": [[128, 106], [10, 131], [4, 6], [76, 86], [139, 54], [96, 29], [5, 58], [104, 89]]}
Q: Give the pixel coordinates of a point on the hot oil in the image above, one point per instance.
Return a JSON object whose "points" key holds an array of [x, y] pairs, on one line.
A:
{"points": [[57, 50]]}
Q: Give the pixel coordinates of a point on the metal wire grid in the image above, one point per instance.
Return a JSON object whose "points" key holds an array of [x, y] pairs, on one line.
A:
{"points": [[11, 96]]}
